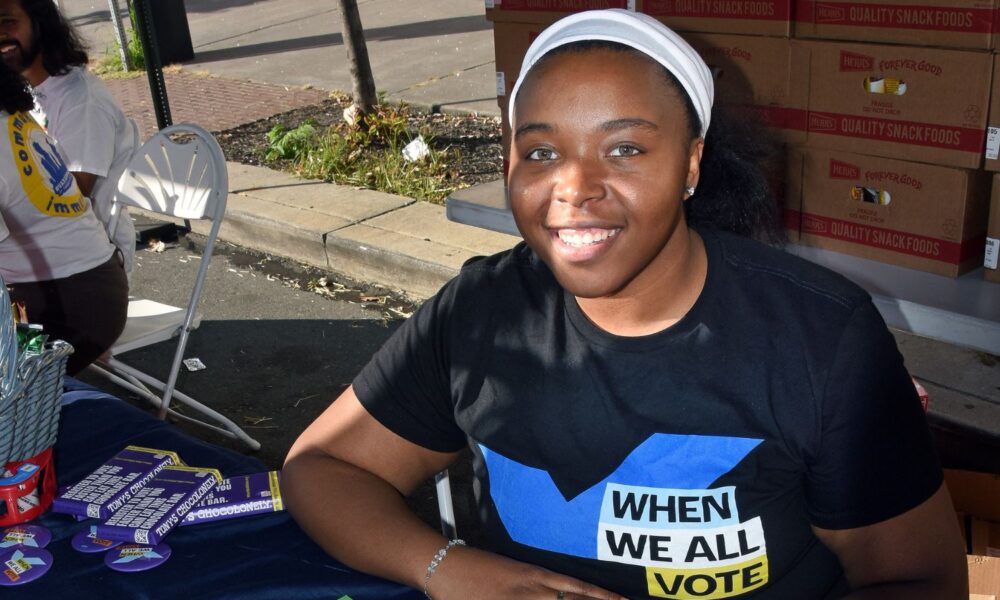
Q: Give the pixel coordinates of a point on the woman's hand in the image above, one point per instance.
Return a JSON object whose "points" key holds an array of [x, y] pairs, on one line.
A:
{"points": [[471, 574]]}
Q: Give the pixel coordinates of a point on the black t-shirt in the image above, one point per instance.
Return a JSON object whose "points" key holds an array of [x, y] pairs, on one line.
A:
{"points": [[685, 464]]}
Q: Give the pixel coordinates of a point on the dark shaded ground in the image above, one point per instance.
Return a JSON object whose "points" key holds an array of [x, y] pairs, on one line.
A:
{"points": [[280, 340], [476, 138]]}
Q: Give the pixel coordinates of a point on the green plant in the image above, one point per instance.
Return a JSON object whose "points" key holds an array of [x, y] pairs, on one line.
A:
{"points": [[289, 144], [111, 63], [368, 155], [134, 46]]}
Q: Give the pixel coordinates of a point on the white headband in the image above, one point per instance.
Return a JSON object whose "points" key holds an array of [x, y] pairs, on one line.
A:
{"points": [[638, 31]]}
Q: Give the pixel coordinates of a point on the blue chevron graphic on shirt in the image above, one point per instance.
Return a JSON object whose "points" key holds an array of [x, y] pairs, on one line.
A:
{"points": [[536, 514]]}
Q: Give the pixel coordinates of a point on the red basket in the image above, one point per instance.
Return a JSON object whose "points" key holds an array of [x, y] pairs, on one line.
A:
{"points": [[29, 490]]}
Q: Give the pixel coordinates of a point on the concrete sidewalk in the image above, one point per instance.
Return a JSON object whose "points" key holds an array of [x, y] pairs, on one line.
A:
{"points": [[370, 236]]}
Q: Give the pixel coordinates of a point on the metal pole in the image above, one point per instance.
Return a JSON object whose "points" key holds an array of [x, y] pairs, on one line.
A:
{"points": [[116, 20], [154, 68]]}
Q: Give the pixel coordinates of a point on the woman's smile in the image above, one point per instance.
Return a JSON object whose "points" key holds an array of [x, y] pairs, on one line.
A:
{"points": [[578, 244]]}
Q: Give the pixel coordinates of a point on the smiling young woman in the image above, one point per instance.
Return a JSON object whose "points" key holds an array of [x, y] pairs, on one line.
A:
{"points": [[657, 404], [597, 182]]}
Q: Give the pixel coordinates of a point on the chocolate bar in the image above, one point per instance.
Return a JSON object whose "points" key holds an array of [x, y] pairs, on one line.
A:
{"points": [[159, 505], [239, 496], [111, 485]]}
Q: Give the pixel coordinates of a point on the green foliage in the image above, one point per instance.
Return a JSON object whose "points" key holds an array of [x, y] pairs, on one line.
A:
{"points": [[290, 144], [110, 65], [134, 46], [369, 155]]}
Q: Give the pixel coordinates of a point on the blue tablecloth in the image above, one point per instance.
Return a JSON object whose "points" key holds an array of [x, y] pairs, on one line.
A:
{"points": [[260, 557]]}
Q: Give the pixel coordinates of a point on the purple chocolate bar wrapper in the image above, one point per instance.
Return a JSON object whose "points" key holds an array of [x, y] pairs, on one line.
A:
{"points": [[110, 485], [239, 496], [160, 505]]}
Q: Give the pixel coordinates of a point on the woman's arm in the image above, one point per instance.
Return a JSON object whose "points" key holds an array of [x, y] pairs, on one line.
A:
{"points": [[915, 555], [344, 481]]}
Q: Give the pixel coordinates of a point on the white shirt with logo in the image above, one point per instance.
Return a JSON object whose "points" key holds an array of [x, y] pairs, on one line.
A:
{"points": [[96, 137], [53, 231]]}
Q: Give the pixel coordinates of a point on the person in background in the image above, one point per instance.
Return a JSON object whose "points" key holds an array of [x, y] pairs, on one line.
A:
{"points": [[657, 405], [57, 259], [74, 106]]}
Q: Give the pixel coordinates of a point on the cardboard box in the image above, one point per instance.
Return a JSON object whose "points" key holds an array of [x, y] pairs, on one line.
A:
{"points": [[976, 497], [914, 215], [510, 41], [984, 578], [749, 17], [991, 150], [948, 23], [974, 493], [983, 537], [765, 74], [922, 104], [991, 257], [546, 11]]}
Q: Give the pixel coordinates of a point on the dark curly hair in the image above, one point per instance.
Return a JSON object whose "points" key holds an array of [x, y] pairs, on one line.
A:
{"points": [[734, 192], [57, 40], [14, 94]]}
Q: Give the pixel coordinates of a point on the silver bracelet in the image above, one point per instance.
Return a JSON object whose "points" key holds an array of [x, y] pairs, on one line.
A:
{"points": [[437, 560]]}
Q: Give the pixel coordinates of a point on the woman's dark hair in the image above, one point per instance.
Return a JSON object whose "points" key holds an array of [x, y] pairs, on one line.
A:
{"points": [[58, 42], [14, 94], [734, 192]]}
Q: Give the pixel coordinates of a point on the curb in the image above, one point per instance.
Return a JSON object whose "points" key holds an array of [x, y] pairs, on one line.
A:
{"points": [[392, 241]]}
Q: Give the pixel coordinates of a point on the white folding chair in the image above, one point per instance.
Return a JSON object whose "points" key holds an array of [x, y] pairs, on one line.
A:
{"points": [[185, 178]]}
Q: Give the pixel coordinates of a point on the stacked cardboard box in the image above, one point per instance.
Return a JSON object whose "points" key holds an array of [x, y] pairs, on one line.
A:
{"points": [[912, 103], [920, 215], [908, 116]]}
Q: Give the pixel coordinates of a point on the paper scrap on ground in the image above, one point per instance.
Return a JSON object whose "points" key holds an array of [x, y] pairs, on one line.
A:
{"points": [[194, 364]]}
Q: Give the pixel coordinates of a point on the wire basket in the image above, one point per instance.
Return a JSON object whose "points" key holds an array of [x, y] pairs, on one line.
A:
{"points": [[31, 388]]}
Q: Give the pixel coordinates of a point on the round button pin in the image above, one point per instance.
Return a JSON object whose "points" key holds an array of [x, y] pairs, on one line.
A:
{"points": [[23, 564], [31, 536], [88, 542], [130, 558]]}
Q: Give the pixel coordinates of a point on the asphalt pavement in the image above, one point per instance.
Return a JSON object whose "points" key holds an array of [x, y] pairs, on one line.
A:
{"points": [[277, 345], [437, 53], [252, 58]]}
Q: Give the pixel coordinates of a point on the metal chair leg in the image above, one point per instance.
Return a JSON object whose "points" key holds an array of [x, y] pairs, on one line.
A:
{"points": [[445, 506]]}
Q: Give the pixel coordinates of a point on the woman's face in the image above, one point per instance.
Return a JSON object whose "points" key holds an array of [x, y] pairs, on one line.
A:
{"points": [[599, 160]]}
